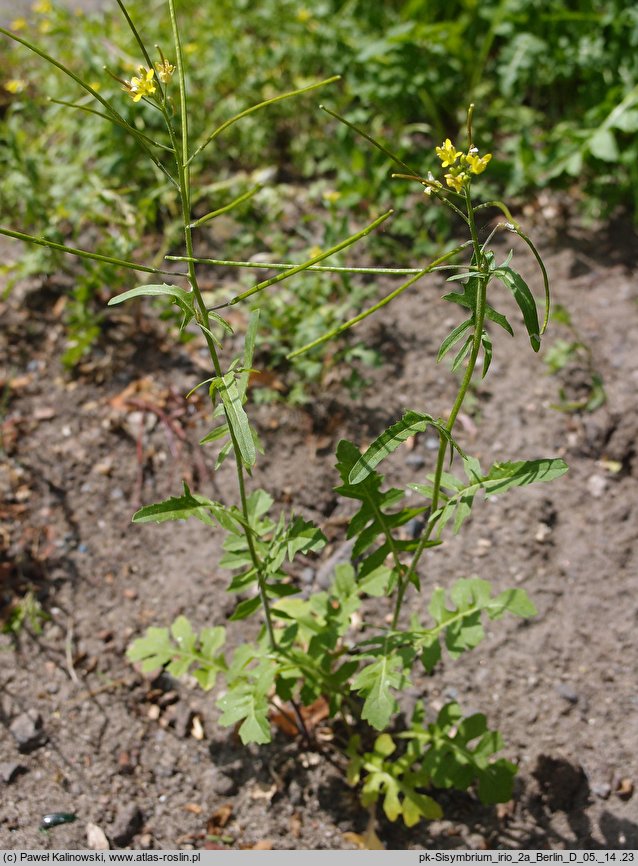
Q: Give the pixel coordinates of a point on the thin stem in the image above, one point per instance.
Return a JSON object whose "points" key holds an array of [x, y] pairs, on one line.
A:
{"points": [[233, 204], [302, 267], [113, 114], [284, 266], [479, 318], [382, 303], [373, 141], [111, 119], [85, 254], [213, 135], [184, 187]]}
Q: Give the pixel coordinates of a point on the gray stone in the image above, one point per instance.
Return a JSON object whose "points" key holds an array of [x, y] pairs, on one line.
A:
{"points": [[27, 731], [567, 693], [10, 770]]}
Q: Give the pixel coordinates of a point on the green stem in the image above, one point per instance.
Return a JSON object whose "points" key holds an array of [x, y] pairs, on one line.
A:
{"points": [[184, 187], [84, 254], [302, 267], [284, 266], [382, 303], [479, 319], [213, 135]]}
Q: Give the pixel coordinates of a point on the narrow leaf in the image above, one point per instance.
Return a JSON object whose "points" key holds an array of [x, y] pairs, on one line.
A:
{"points": [[175, 292], [238, 420], [389, 441], [452, 337], [525, 300]]}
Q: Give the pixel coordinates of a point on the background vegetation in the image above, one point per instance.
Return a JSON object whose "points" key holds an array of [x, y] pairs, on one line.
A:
{"points": [[559, 80]]}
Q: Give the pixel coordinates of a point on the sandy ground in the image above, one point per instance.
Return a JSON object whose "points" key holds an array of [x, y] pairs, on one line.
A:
{"points": [[83, 732]]}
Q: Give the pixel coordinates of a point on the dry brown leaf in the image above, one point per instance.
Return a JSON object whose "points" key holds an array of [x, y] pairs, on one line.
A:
{"points": [[219, 819], [194, 808], [368, 840], [312, 715]]}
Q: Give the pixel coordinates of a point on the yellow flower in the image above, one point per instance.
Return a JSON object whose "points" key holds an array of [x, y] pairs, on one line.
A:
{"points": [[164, 71], [18, 24], [447, 153], [477, 163], [42, 7], [457, 181], [331, 196], [304, 15], [15, 85], [142, 85]]}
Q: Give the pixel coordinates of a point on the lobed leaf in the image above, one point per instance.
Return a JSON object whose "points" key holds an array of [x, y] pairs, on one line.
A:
{"points": [[375, 682]]}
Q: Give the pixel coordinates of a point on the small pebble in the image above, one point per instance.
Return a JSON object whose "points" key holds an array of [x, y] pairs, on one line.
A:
{"points": [[10, 770], [567, 693], [96, 838], [601, 789], [27, 731]]}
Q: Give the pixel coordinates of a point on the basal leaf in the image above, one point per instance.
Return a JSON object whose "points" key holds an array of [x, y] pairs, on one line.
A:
{"points": [[154, 650], [375, 682], [244, 703]]}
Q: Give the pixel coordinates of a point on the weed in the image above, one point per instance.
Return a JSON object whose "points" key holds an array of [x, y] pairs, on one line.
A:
{"points": [[307, 649]]}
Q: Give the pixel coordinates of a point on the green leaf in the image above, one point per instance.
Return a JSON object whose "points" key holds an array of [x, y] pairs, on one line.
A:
{"points": [[462, 353], [452, 337], [603, 145], [183, 507], [504, 476], [375, 682], [178, 294], [244, 703], [154, 650], [215, 434], [245, 608], [525, 300], [249, 351], [177, 508], [487, 353], [389, 441], [467, 299], [237, 419]]}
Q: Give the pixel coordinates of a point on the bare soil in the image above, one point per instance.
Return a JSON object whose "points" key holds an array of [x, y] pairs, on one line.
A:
{"points": [[83, 732]]}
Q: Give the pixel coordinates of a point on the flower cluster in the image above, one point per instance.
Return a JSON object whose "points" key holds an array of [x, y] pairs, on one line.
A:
{"points": [[164, 70], [461, 165], [142, 85]]}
